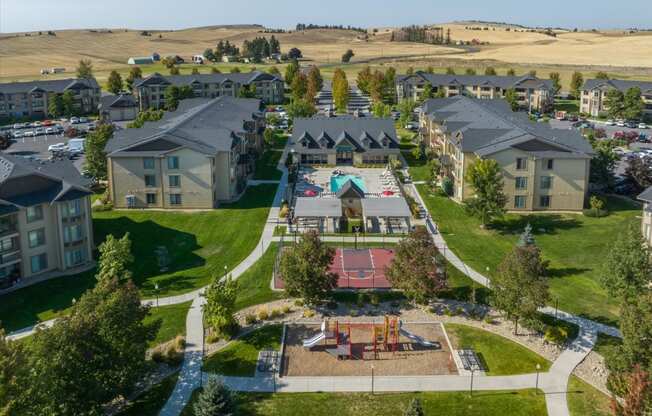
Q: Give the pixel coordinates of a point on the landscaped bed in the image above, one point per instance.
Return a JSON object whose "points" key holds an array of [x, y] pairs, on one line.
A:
{"points": [[574, 244]]}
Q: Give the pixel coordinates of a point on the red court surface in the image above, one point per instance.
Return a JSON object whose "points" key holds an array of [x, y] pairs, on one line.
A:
{"points": [[358, 269]]}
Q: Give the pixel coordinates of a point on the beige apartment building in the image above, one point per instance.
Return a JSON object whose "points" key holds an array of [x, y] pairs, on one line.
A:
{"points": [[45, 219], [594, 95], [194, 158], [533, 93], [150, 91], [543, 168], [31, 99], [646, 223]]}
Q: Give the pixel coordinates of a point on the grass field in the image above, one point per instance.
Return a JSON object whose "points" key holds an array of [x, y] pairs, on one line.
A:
{"points": [[574, 244], [254, 284], [585, 400], [239, 358], [152, 401], [494, 403], [173, 321], [266, 165], [500, 356]]}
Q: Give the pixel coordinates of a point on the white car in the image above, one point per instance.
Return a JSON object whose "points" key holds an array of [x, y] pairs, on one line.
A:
{"points": [[40, 131], [17, 134], [19, 125], [610, 123], [74, 120], [642, 126], [50, 130], [620, 123], [29, 133], [57, 147], [83, 120]]}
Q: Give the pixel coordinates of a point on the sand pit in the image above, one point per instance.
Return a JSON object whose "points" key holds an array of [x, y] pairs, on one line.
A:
{"points": [[411, 358]]}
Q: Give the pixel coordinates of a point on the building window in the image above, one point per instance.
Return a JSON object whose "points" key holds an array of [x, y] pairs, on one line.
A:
{"points": [[519, 201], [150, 180], [546, 182], [521, 163], [73, 233], [173, 162], [148, 163], [74, 257], [71, 208], [549, 164], [34, 213], [544, 201], [36, 237], [175, 199], [7, 244], [39, 262], [521, 182], [151, 198], [174, 181]]}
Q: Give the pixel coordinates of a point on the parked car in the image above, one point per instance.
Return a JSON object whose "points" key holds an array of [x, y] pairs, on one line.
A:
{"points": [[17, 134], [39, 131], [631, 124], [50, 130], [76, 146], [610, 123], [19, 126], [58, 147], [83, 120], [74, 120], [620, 123], [642, 126], [29, 133]]}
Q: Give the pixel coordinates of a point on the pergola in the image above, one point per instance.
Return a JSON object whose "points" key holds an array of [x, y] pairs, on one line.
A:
{"points": [[321, 214], [386, 215]]}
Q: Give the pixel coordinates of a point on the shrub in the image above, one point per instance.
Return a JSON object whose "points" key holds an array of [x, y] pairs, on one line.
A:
{"points": [[172, 356], [556, 335], [250, 318], [375, 299], [488, 320], [102, 207], [308, 313], [447, 186], [298, 302], [157, 356], [275, 313], [283, 213], [448, 311], [180, 343], [354, 312], [286, 309], [459, 310], [212, 338], [331, 304], [263, 315], [362, 299]]}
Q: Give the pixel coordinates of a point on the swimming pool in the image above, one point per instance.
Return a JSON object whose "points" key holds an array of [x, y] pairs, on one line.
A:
{"points": [[338, 181]]}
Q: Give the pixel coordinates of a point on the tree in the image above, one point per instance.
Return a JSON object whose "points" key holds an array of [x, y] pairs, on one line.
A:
{"points": [[216, 399], [381, 110], [291, 71], [615, 103], [114, 83], [520, 286], [68, 103], [626, 270], [340, 91], [115, 258], [301, 108], [577, 80], [512, 99], [417, 268], [295, 54], [268, 136], [55, 106], [430, 69], [377, 86], [346, 58], [209, 54], [633, 104], [274, 71], [486, 179], [173, 95], [220, 305], [490, 71], [450, 71], [409, 71], [174, 70], [470, 71], [601, 75], [555, 77], [85, 69], [532, 73], [94, 150], [390, 84], [315, 83], [511, 72], [639, 170], [415, 408], [603, 163], [364, 79], [427, 92], [12, 374], [305, 269], [96, 353], [638, 397], [195, 71], [235, 70], [299, 87], [215, 70], [134, 73], [406, 107], [247, 91]]}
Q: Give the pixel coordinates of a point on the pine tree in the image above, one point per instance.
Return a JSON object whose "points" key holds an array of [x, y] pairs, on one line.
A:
{"points": [[134, 74], [85, 69], [526, 239], [215, 400], [415, 408]]}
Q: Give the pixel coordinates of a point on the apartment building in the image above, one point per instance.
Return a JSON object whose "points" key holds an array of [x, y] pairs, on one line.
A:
{"points": [[45, 219], [646, 223], [543, 168], [533, 93], [344, 140], [118, 107], [30, 99], [150, 91], [193, 158], [594, 95]]}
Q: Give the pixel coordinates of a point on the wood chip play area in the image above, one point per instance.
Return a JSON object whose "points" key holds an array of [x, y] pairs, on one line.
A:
{"points": [[394, 348]]}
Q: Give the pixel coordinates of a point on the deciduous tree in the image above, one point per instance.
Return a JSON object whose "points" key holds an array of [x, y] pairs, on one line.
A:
{"points": [[85, 69], [340, 91], [134, 73], [638, 397], [301, 108], [114, 83], [603, 163], [55, 106], [291, 71], [512, 98], [486, 179], [490, 71], [13, 372], [577, 80], [511, 72], [115, 258], [615, 103], [68, 103], [94, 150], [555, 77], [626, 270], [363, 79], [639, 169], [299, 86], [220, 305], [633, 104]]}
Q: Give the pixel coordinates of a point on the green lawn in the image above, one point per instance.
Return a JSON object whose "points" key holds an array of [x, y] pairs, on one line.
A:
{"points": [[494, 403], [266, 165], [418, 168], [500, 355], [571, 106], [574, 244], [200, 244], [152, 401], [239, 358], [280, 139], [585, 400], [254, 284], [173, 321]]}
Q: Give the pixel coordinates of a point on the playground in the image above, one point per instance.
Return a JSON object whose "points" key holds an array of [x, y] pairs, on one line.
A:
{"points": [[362, 268], [393, 348]]}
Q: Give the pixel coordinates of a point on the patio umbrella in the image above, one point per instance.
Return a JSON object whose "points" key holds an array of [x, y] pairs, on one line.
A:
{"points": [[387, 192], [310, 192]]}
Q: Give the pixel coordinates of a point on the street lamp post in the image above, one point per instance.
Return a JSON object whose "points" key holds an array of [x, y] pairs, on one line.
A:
{"points": [[225, 270], [156, 291], [372, 379], [536, 385], [472, 372]]}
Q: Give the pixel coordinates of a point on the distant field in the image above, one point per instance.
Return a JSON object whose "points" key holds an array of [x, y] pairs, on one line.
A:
{"points": [[621, 55]]}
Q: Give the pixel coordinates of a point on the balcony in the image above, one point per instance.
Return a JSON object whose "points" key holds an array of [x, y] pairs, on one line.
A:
{"points": [[10, 257], [74, 243]]}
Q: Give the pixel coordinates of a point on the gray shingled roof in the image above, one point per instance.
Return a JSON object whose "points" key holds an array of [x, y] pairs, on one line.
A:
{"points": [[504, 82], [52, 85], [117, 101], [385, 207], [620, 84], [488, 126], [318, 207], [202, 124], [646, 195], [365, 134], [243, 78], [25, 182]]}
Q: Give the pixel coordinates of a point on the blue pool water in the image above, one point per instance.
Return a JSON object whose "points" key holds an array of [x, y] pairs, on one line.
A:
{"points": [[338, 181]]}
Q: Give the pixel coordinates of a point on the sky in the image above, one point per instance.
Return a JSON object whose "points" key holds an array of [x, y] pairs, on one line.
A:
{"points": [[32, 15]]}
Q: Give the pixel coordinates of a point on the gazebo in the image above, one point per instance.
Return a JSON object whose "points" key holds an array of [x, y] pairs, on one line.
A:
{"points": [[386, 215], [321, 214]]}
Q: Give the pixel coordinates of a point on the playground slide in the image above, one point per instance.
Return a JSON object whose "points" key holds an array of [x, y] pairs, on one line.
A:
{"points": [[314, 340], [417, 339]]}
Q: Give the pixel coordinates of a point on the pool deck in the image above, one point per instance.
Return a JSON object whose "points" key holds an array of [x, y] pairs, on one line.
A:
{"points": [[321, 178]]}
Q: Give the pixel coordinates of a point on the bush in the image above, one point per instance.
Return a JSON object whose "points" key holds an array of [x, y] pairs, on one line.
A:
{"points": [[488, 320], [595, 213], [331, 304], [263, 315], [283, 213], [308, 313], [275, 313], [556, 335], [250, 319], [212, 338], [362, 299], [447, 186], [375, 299], [286, 309], [298, 302], [102, 207]]}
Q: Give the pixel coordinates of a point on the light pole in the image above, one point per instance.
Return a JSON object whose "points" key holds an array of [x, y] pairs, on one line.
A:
{"points": [[536, 385], [472, 372], [156, 291], [225, 270], [372, 379]]}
